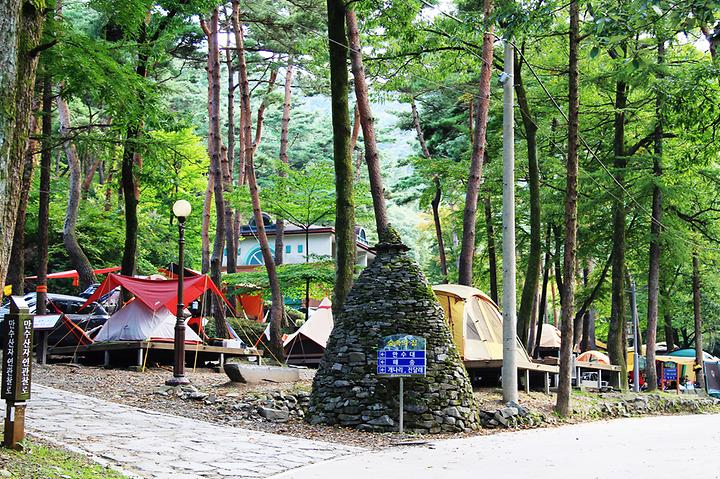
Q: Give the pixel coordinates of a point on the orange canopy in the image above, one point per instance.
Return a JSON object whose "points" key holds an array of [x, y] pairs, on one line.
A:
{"points": [[158, 293], [74, 274]]}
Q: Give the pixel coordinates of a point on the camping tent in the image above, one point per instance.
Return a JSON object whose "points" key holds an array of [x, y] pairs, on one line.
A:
{"points": [[157, 294], [690, 353], [593, 356], [476, 324], [160, 294], [307, 344], [550, 337], [137, 322]]}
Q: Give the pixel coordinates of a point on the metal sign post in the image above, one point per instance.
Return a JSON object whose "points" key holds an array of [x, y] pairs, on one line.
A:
{"points": [[16, 370], [401, 356]]}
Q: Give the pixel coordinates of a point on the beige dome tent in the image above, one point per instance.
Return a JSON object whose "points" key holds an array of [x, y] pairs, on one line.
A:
{"points": [[307, 345], [476, 324], [550, 337]]}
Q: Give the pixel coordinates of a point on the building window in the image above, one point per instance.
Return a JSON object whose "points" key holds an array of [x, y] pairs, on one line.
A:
{"points": [[300, 248], [255, 257], [288, 249]]}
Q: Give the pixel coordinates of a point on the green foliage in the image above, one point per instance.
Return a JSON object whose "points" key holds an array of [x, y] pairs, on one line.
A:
{"points": [[292, 277], [41, 461]]}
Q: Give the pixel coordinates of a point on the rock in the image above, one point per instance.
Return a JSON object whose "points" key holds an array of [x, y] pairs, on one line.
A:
{"points": [[507, 412], [356, 357], [253, 374], [500, 419], [275, 415], [5, 473], [522, 410], [382, 421], [196, 395], [164, 390], [211, 399]]}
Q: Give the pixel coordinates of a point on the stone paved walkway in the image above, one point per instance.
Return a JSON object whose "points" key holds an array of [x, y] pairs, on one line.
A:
{"points": [[155, 445]]}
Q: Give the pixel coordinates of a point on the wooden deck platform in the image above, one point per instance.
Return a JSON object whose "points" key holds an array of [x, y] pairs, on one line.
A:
{"points": [[143, 347]]}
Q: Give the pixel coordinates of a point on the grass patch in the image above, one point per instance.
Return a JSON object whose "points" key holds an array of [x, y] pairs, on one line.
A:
{"points": [[41, 461]]}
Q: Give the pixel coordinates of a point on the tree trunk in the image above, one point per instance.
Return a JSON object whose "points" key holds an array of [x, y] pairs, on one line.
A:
{"points": [[44, 200], [231, 239], [558, 267], [16, 269], [542, 310], [21, 25], [492, 252], [438, 228], [367, 122], [205, 232], [89, 175], [435, 204], [218, 161], [261, 111], [655, 231], [345, 203], [562, 407], [697, 314], [77, 256], [616, 345], [277, 309], [131, 156], [355, 129], [532, 273], [467, 251], [284, 129]]}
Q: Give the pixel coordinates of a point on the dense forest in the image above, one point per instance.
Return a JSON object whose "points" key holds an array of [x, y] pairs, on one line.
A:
{"points": [[122, 107]]}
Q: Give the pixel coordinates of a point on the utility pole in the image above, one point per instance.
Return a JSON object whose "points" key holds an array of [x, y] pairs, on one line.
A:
{"points": [[636, 343], [509, 366]]}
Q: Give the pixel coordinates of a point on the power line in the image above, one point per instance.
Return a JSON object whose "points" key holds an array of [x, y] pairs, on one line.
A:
{"points": [[585, 144]]}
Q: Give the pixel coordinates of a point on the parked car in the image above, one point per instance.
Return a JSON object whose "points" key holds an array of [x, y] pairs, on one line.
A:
{"points": [[87, 319]]}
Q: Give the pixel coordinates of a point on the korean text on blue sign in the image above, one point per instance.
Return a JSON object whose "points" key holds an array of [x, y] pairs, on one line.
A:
{"points": [[401, 355]]}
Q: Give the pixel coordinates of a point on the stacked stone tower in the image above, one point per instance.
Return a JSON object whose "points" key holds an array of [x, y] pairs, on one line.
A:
{"points": [[391, 296]]}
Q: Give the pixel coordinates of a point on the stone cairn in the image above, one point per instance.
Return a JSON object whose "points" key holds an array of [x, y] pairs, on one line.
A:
{"points": [[391, 296]]}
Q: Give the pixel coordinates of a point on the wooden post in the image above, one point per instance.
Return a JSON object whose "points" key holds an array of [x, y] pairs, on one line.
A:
{"points": [[547, 382], [16, 370], [14, 425], [106, 359], [527, 381]]}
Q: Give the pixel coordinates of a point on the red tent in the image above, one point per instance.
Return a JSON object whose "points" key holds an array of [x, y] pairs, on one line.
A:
{"points": [[157, 293], [74, 274]]}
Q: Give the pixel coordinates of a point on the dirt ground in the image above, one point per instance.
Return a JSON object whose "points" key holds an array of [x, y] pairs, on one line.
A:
{"points": [[140, 389]]}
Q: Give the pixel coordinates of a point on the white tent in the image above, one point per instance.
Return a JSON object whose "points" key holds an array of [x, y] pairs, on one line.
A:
{"points": [[136, 322], [476, 324], [306, 345]]}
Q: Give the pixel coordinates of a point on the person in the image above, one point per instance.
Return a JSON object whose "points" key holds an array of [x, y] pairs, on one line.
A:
{"points": [[686, 384]]}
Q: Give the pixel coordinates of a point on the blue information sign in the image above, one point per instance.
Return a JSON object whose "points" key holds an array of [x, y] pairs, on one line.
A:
{"points": [[670, 371], [401, 355]]}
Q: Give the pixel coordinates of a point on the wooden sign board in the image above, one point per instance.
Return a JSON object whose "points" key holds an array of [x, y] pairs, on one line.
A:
{"points": [[17, 352]]}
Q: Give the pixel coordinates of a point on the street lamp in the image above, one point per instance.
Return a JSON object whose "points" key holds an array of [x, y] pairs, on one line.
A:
{"points": [[181, 209]]}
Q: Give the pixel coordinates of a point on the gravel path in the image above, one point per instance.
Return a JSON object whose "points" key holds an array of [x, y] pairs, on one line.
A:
{"points": [[151, 444], [640, 448]]}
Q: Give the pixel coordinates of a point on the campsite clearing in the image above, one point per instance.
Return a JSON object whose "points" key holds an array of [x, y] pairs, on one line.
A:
{"points": [[225, 401]]}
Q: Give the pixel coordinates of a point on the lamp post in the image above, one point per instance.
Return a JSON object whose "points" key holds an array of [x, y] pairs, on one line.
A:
{"points": [[181, 209]]}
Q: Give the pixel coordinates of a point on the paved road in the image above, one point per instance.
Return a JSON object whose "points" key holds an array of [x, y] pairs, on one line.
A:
{"points": [[638, 448], [155, 445]]}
